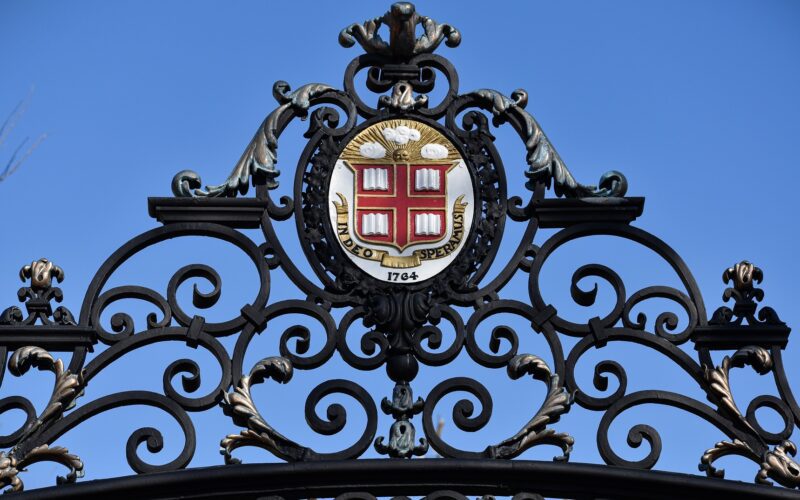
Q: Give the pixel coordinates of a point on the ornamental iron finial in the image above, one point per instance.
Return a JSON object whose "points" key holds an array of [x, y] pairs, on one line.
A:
{"points": [[743, 276], [37, 297], [41, 273], [402, 20]]}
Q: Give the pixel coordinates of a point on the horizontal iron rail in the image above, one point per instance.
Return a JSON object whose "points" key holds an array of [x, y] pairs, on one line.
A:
{"points": [[388, 477], [54, 338]]}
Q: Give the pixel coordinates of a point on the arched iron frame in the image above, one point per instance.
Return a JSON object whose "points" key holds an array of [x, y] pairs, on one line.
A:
{"points": [[402, 321]]}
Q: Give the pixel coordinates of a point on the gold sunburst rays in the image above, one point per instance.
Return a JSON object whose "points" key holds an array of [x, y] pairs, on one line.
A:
{"points": [[411, 151]]}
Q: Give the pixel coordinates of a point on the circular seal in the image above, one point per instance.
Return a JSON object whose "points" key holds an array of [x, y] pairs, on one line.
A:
{"points": [[401, 201]]}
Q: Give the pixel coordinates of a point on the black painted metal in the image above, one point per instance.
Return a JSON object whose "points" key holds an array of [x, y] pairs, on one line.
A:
{"points": [[434, 478], [403, 321]]}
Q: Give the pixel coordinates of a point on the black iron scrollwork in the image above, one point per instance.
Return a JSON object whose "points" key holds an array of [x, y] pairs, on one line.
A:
{"points": [[545, 164], [261, 155], [402, 20], [240, 406], [67, 387], [371, 323]]}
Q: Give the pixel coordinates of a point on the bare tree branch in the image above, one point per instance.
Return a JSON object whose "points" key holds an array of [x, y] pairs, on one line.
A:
{"points": [[11, 120], [13, 163], [16, 160]]}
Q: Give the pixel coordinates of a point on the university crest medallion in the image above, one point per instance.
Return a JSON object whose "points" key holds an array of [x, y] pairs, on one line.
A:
{"points": [[401, 200]]}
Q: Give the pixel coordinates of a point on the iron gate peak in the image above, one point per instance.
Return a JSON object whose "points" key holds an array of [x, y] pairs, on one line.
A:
{"points": [[400, 205]]}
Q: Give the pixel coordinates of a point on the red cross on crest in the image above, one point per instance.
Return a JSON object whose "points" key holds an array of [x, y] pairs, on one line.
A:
{"points": [[401, 204]]}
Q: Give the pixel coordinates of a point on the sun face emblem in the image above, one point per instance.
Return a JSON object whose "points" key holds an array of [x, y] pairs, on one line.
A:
{"points": [[401, 201]]}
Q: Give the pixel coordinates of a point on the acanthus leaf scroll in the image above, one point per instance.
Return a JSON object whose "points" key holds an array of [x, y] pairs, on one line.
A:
{"points": [[400, 210]]}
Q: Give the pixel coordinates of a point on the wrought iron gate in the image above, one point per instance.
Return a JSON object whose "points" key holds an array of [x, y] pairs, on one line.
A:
{"points": [[400, 209]]}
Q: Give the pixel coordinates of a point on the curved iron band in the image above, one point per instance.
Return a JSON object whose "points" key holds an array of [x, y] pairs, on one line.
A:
{"points": [[332, 117], [153, 437], [662, 346], [157, 235], [460, 104], [370, 341], [284, 260], [492, 289], [471, 125], [423, 82], [189, 368], [622, 231], [291, 306], [411, 477], [433, 335], [784, 388], [507, 306]]}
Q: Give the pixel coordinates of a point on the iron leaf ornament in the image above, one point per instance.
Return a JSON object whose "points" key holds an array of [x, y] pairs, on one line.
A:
{"points": [[545, 164], [67, 388], [776, 463], [257, 163], [400, 203], [261, 155], [240, 407], [557, 403], [11, 465], [402, 20]]}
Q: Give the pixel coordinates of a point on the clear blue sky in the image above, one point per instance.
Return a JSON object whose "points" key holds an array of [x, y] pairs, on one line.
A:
{"points": [[696, 102]]}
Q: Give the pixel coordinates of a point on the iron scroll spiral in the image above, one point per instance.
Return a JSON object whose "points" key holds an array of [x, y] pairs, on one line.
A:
{"points": [[339, 312]]}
